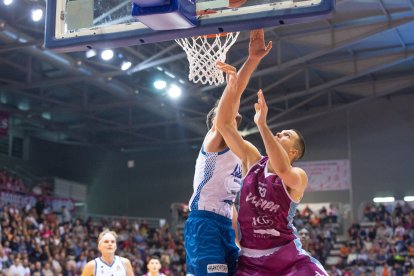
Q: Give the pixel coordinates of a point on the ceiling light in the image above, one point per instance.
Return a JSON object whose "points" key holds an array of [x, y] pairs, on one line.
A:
{"points": [[171, 75], [37, 14], [409, 198], [46, 115], [384, 199], [160, 84], [125, 65], [7, 2], [107, 54], [24, 106], [174, 91], [90, 53]]}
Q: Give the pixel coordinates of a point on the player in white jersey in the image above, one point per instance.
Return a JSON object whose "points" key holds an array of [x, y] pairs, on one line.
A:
{"points": [[108, 264], [208, 235]]}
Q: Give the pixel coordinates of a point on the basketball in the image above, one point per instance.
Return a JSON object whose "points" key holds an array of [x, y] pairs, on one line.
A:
{"points": [[236, 3]]}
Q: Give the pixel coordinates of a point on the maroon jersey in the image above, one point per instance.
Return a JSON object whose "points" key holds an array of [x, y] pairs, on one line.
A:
{"points": [[266, 210]]}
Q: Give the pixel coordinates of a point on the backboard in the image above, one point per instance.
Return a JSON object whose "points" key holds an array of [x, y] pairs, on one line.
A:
{"points": [[76, 25]]}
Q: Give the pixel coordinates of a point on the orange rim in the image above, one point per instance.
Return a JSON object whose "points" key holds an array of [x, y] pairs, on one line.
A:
{"points": [[205, 12], [214, 35]]}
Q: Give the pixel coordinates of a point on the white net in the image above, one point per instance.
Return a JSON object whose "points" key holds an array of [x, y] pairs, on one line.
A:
{"points": [[203, 52]]}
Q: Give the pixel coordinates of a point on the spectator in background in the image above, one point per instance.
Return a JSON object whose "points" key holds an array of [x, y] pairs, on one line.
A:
{"points": [[306, 212], [304, 238], [17, 269], [66, 215], [4, 260], [335, 271], [40, 205], [154, 267], [47, 269], [333, 213]]}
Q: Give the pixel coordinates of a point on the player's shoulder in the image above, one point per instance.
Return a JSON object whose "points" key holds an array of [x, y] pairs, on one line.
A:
{"points": [[91, 263], [252, 149], [299, 171], [125, 260], [213, 142], [89, 268]]}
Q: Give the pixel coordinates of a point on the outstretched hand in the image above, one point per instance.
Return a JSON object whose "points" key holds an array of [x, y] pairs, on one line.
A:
{"points": [[257, 47], [261, 109], [231, 74]]}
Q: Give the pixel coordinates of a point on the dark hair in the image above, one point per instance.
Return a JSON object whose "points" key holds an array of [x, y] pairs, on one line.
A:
{"points": [[154, 257], [299, 145], [210, 116]]}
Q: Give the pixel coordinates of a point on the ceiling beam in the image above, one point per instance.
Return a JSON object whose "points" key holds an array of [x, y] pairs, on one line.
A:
{"points": [[366, 29], [9, 34], [397, 86], [362, 67]]}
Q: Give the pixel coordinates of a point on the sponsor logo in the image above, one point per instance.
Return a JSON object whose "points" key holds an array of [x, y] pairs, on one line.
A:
{"points": [[262, 204], [262, 221], [217, 268], [264, 232], [237, 172]]}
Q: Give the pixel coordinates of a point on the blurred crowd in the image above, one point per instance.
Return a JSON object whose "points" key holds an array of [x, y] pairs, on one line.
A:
{"points": [[38, 241]]}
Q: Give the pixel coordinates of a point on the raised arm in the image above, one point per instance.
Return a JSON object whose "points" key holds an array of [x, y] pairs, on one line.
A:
{"points": [[293, 177], [226, 124], [257, 50]]}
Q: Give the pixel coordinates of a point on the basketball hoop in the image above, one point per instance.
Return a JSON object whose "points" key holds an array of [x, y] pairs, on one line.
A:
{"points": [[203, 52]]}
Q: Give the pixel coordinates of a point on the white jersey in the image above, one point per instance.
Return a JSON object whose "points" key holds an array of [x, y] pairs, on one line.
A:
{"points": [[117, 268], [217, 180]]}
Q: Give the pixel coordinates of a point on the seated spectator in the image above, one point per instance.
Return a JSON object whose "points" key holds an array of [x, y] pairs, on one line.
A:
{"points": [[352, 256], [307, 212], [17, 269], [4, 260], [333, 213], [335, 271], [47, 269]]}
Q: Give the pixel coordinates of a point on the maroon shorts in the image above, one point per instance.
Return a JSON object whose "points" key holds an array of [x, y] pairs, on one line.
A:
{"points": [[289, 259]]}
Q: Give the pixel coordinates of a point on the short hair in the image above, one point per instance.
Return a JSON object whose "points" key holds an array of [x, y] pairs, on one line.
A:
{"points": [[299, 145], [154, 257], [106, 231], [211, 114]]}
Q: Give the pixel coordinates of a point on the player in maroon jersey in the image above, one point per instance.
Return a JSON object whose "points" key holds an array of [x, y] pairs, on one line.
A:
{"points": [[271, 191]]}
